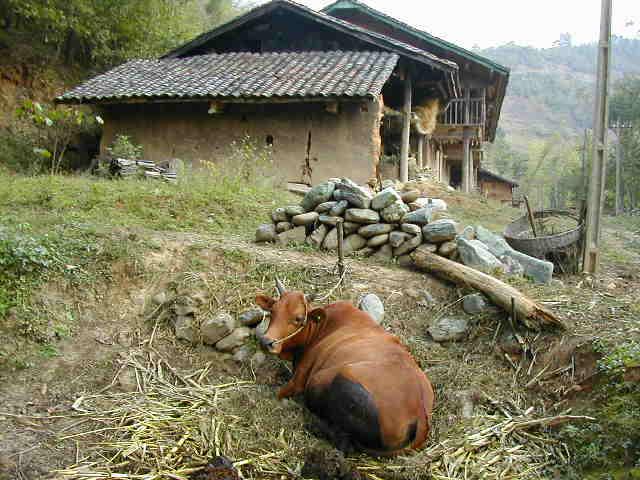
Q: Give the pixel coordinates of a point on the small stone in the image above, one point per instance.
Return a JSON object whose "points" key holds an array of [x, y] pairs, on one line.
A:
{"points": [[305, 218], [429, 247], [405, 261], [280, 215], [351, 227], [330, 241], [283, 227], [366, 252], [378, 241], [326, 206], [266, 233], [216, 328], [439, 231], [419, 217], [362, 215], [398, 238], [351, 192], [375, 230], [184, 328], [474, 304], [339, 208], [385, 253], [353, 243], [328, 220], [296, 236], [242, 354], [408, 246], [236, 339], [395, 212], [469, 233], [293, 210], [251, 318], [449, 329], [385, 198], [258, 359], [447, 248], [512, 266], [410, 196], [321, 193], [317, 236], [372, 304], [411, 229], [160, 298]]}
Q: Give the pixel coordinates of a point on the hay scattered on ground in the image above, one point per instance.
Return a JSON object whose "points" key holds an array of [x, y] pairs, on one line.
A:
{"points": [[175, 423]]}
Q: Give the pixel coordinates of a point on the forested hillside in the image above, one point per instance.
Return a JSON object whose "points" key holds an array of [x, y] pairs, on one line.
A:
{"points": [[548, 106]]}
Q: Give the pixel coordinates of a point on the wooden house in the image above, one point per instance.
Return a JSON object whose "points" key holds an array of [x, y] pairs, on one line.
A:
{"points": [[330, 93], [496, 187]]}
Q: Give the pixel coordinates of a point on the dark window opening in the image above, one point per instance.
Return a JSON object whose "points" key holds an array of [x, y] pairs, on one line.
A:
{"points": [[244, 119], [269, 140]]}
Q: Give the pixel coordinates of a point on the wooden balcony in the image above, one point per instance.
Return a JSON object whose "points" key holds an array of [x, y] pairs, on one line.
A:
{"points": [[461, 112]]}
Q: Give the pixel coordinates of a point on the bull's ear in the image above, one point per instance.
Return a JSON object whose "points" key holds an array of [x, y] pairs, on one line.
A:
{"points": [[318, 315], [264, 302]]}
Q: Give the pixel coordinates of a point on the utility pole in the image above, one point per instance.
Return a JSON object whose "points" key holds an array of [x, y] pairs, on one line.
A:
{"points": [[598, 171]]}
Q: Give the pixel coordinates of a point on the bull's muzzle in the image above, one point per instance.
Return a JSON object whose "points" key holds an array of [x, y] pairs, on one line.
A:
{"points": [[269, 345]]}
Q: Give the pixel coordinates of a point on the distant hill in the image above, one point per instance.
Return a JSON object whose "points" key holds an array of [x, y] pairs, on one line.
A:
{"points": [[551, 90]]}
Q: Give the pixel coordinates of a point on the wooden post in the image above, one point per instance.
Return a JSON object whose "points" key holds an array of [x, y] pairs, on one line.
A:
{"points": [[598, 170], [618, 170], [420, 158], [582, 196], [466, 160], [340, 228], [406, 128]]}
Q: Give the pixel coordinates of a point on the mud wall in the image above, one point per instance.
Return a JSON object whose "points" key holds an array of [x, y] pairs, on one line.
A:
{"points": [[302, 136], [496, 190]]}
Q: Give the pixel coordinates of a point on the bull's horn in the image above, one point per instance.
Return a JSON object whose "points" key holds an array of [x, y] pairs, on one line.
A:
{"points": [[280, 287]]}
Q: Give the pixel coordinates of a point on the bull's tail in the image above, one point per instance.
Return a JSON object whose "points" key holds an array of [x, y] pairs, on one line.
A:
{"points": [[424, 421]]}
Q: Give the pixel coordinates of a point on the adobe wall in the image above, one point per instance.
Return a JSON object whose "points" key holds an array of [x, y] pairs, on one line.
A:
{"points": [[346, 143], [496, 190]]}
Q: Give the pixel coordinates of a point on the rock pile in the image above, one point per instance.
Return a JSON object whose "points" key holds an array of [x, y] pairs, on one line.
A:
{"points": [[391, 224]]}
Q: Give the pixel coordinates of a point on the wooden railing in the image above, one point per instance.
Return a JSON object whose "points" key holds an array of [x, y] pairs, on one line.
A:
{"points": [[463, 112]]}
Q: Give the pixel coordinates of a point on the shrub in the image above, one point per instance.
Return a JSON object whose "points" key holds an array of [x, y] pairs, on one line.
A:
{"points": [[123, 147]]}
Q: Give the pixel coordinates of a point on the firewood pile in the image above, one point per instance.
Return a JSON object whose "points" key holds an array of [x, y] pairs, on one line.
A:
{"points": [[122, 167]]}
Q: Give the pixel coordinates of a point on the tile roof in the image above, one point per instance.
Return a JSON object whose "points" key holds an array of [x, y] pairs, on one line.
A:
{"points": [[369, 36], [242, 75], [495, 176]]}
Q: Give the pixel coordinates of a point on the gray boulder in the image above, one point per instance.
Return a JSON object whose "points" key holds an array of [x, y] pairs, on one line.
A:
{"points": [[540, 271], [317, 236], [449, 329], [439, 231], [339, 208], [329, 220], [474, 304], [351, 227], [353, 243], [469, 233], [305, 218], [405, 261], [429, 247], [419, 217], [279, 215], [398, 238], [378, 240], [266, 233], [385, 253], [362, 215], [236, 339], [357, 196], [366, 252], [375, 230], [214, 329], [283, 227], [408, 246], [242, 354], [251, 318], [512, 266], [386, 197], [410, 196], [372, 304], [296, 236], [326, 206], [330, 241], [293, 210], [411, 229], [475, 255], [185, 328], [395, 212], [321, 193]]}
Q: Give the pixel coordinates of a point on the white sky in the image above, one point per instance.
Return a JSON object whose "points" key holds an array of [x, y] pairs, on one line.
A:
{"points": [[490, 23]]}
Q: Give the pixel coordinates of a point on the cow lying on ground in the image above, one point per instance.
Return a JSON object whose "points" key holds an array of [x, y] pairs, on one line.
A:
{"points": [[352, 372]]}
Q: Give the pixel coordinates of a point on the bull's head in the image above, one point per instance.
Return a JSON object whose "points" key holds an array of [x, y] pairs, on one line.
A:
{"points": [[290, 314]]}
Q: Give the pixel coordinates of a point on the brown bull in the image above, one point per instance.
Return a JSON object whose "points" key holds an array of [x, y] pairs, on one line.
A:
{"points": [[352, 372]]}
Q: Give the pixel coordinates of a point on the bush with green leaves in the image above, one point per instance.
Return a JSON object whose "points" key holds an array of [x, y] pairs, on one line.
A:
{"points": [[124, 147]]}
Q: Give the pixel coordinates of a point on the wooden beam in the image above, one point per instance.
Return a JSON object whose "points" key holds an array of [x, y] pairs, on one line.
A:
{"points": [[467, 166], [595, 202], [406, 128]]}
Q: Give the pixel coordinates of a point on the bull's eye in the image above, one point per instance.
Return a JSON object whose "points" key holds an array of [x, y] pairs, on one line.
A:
{"points": [[299, 319]]}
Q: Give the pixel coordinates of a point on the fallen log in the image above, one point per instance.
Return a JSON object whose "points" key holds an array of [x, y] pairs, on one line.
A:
{"points": [[528, 312]]}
